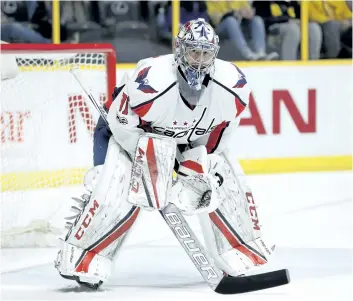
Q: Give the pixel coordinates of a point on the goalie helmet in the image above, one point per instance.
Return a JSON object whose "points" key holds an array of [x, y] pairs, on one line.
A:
{"points": [[196, 48]]}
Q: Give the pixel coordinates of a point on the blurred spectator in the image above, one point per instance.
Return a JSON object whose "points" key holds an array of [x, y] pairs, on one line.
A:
{"points": [[12, 31], [144, 10], [323, 13], [31, 21], [342, 12], [230, 16], [282, 20], [188, 10]]}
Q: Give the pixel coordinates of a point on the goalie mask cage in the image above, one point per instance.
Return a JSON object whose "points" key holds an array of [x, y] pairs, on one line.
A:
{"points": [[47, 126]]}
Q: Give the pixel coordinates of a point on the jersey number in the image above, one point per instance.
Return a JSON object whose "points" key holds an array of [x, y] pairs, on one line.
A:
{"points": [[124, 103]]}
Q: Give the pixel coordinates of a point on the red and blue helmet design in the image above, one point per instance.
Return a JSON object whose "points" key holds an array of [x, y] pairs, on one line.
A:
{"points": [[196, 48]]}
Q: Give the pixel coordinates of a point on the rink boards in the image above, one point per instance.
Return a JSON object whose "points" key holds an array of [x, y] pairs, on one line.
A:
{"points": [[298, 119]]}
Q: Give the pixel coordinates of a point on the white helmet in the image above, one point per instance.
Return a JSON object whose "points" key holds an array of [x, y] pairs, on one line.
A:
{"points": [[196, 48]]}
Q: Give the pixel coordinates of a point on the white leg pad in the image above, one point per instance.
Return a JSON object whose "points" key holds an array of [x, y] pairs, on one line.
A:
{"points": [[232, 232], [69, 263], [103, 224]]}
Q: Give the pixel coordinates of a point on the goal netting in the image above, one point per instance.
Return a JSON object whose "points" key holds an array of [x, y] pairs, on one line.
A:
{"points": [[46, 134]]}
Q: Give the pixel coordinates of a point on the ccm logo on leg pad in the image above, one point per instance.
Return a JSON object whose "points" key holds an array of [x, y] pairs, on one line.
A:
{"points": [[87, 220]]}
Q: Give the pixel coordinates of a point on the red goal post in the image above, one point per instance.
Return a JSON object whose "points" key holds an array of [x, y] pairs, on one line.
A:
{"points": [[47, 130], [106, 49]]}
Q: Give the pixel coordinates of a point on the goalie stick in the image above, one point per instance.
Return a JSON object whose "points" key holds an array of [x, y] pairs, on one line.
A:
{"points": [[215, 278]]}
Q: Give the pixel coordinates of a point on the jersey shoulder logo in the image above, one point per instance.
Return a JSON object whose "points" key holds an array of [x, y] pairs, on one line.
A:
{"points": [[143, 81], [241, 79]]}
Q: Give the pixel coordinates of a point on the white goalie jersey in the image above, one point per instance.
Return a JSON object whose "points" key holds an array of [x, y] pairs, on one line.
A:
{"points": [[151, 101]]}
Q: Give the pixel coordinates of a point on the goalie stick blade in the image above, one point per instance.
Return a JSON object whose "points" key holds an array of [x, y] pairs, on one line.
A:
{"points": [[91, 286], [238, 285]]}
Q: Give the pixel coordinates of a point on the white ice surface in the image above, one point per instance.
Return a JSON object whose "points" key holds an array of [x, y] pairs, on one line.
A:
{"points": [[308, 215]]}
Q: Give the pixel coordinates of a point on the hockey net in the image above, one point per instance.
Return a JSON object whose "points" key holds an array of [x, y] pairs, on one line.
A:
{"points": [[47, 133]]}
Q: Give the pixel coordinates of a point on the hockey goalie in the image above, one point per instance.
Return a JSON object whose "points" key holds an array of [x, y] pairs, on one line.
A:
{"points": [[168, 143]]}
